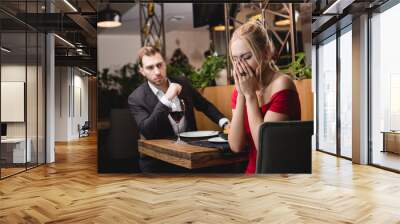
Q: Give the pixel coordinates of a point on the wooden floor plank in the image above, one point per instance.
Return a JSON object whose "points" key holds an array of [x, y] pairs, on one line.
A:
{"points": [[71, 191]]}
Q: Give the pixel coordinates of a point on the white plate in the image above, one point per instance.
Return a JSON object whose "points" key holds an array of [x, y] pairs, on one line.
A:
{"points": [[217, 140], [198, 134]]}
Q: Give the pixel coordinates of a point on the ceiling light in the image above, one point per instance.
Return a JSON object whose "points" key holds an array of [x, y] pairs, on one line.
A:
{"points": [[84, 71], [65, 41], [282, 22], [5, 50], [285, 21], [80, 51], [256, 17], [109, 18], [80, 45], [70, 5], [221, 28]]}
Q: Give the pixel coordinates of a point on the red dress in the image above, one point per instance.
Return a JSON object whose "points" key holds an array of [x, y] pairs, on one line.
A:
{"points": [[285, 102]]}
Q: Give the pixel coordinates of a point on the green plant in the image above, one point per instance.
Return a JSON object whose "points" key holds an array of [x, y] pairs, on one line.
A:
{"points": [[179, 70], [114, 87], [179, 64], [297, 69], [206, 75], [122, 81]]}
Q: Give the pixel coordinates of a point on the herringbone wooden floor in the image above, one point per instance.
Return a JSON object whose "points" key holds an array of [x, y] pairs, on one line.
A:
{"points": [[71, 191]]}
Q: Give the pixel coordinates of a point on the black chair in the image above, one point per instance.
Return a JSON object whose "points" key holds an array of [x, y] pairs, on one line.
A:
{"points": [[123, 142], [84, 130], [86, 126], [285, 147]]}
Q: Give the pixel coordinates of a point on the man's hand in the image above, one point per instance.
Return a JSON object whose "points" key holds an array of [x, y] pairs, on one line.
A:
{"points": [[173, 90]]}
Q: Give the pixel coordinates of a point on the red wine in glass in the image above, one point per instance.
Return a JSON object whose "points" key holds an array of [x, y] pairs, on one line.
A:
{"points": [[176, 115]]}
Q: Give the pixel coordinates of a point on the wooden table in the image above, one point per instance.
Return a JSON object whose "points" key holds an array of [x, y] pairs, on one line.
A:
{"points": [[391, 141], [185, 155]]}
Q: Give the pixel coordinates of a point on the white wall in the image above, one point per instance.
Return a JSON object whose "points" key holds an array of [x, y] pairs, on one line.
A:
{"points": [[12, 73], [193, 44], [67, 114], [62, 82], [82, 82], [116, 50], [33, 126], [79, 118]]}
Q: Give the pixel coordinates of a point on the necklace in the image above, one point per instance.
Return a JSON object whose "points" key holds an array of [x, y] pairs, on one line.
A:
{"points": [[261, 90]]}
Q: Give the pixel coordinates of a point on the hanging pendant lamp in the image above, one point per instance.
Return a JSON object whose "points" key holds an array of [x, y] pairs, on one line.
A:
{"points": [[109, 18]]}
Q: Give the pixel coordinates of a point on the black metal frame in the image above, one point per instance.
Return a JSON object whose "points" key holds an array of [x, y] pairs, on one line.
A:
{"points": [[0, 89], [339, 32], [316, 97], [26, 89], [44, 71], [338, 98], [156, 30], [369, 125]]}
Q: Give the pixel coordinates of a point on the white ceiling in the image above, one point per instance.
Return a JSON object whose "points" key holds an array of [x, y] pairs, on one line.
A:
{"points": [[130, 18]]}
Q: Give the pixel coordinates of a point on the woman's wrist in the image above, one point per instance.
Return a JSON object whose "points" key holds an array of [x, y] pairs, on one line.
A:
{"points": [[240, 96], [250, 96]]}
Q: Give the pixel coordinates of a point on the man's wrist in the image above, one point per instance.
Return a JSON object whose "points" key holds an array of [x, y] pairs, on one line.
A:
{"points": [[164, 100]]}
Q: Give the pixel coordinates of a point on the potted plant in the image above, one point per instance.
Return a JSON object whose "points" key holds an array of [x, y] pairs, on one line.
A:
{"points": [[209, 71], [297, 69], [179, 64], [115, 87], [301, 74]]}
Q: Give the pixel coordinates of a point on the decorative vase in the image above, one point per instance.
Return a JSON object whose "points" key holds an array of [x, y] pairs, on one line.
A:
{"points": [[222, 78]]}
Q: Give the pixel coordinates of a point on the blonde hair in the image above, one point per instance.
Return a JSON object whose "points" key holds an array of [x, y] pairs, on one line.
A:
{"points": [[256, 37]]}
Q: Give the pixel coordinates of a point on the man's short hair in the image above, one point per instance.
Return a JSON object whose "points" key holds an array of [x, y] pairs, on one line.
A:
{"points": [[148, 51]]}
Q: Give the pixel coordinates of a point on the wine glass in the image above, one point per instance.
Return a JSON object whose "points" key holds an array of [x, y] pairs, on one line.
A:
{"points": [[177, 112]]}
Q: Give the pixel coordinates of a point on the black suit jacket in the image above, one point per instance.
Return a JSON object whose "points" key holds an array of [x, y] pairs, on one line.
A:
{"points": [[151, 115]]}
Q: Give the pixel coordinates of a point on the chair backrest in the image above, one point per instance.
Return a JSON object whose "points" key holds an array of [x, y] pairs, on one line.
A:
{"points": [[123, 140], [285, 147], [86, 126]]}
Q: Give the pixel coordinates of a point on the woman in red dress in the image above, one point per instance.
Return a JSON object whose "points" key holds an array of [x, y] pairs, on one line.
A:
{"points": [[261, 92]]}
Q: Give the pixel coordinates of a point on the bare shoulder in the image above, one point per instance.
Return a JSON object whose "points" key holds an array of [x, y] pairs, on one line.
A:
{"points": [[281, 82]]}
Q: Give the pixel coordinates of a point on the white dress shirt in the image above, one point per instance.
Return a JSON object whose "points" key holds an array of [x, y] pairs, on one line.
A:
{"points": [[170, 103], [175, 103]]}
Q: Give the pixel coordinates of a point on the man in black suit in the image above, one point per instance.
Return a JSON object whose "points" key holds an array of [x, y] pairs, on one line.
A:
{"points": [[151, 102]]}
